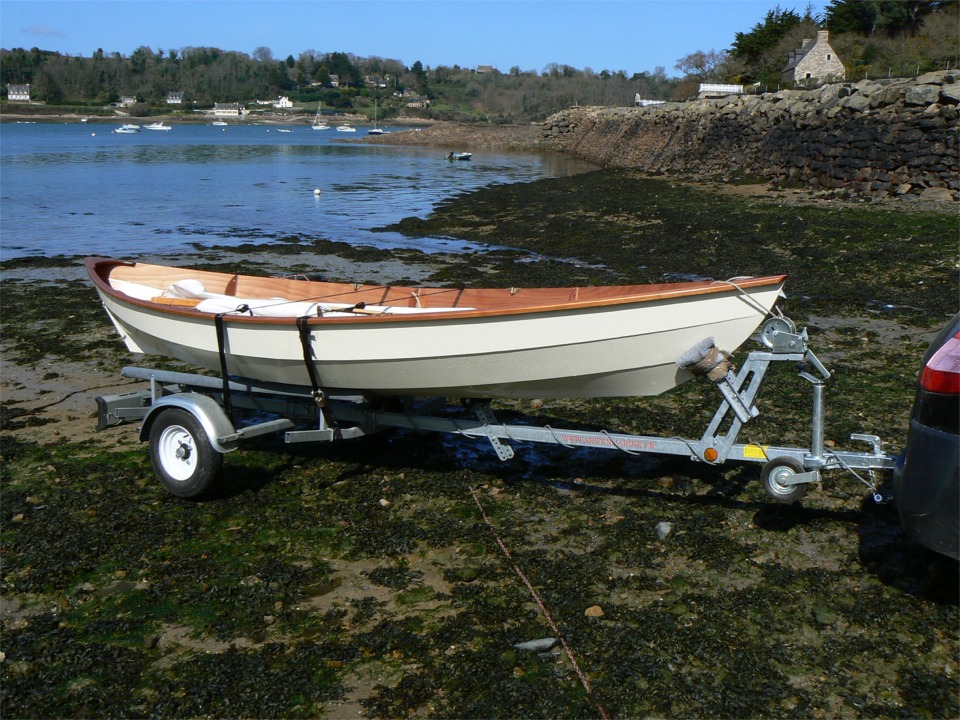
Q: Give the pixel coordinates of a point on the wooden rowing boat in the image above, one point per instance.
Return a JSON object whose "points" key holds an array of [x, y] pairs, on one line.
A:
{"points": [[441, 341]]}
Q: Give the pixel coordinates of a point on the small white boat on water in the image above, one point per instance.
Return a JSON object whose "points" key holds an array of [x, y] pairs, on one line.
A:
{"points": [[346, 128], [402, 341], [128, 129], [157, 126], [219, 123], [376, 129], [284, 130], [459, 156], [318, 123]]}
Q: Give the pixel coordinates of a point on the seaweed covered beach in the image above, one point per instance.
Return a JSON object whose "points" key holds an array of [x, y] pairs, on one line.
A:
{"points": [[416, 575]]}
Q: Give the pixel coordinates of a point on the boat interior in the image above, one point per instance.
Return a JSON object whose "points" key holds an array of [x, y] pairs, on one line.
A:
{"points": [[189, 288]]}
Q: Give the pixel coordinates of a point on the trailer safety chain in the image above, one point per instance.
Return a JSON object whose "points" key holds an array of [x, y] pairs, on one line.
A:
{"points": [[878, 497], [543, 608]]}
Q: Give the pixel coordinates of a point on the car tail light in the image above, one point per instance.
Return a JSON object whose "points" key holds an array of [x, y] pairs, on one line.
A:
{"points": [[941, 374]]}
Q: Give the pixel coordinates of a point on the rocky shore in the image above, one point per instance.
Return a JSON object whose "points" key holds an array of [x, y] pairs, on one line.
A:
{"points": [[892, 138]]}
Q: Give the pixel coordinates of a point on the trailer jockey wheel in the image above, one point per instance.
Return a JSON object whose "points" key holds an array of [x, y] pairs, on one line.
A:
{"points": [[183, 459], [774, 475]]}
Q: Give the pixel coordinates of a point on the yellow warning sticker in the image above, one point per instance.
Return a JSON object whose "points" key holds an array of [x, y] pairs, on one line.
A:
{"points": [[754, 451]]}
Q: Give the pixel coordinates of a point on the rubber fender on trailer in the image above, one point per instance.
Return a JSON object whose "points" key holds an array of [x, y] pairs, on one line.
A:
{"points": [[205, 409]]}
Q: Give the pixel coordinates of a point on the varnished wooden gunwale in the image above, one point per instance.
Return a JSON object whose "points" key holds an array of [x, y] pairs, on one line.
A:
{"points": [[485, 302]]}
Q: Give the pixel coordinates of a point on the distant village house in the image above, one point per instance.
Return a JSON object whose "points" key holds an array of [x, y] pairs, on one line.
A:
{"points": [[484, 69], [174, 98], [18, 93], [227, 110], [814, 63], [283, 103], [412, 99], [126, 101], [334, 81]]}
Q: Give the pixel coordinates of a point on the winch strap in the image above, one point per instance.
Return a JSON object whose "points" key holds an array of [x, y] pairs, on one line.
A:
{"points": [[227, 404], [304, 328]]}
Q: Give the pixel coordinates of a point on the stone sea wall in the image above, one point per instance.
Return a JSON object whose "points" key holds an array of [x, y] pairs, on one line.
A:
{"points": [[886, 137]]}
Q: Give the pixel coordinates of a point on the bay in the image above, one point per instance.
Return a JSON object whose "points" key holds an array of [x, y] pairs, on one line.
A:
{"points": [[83, 189]]}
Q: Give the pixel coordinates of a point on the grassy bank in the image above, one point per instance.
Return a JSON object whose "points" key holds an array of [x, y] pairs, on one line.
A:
{"points": [[366, 578]]}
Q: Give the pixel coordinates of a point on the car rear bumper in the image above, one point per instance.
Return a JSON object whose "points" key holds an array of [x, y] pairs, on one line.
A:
{"points": [[927, 489]]}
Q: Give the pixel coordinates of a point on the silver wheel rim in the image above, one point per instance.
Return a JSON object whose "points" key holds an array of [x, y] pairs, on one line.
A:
{"points": [[177, 452], [776, 476]]}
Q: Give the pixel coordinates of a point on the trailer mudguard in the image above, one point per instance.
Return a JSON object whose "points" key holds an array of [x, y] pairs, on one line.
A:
{"points": [[206, 410]]}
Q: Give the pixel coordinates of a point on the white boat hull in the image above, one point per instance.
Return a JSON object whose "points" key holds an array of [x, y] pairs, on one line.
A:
{"points": [[622, 350]]}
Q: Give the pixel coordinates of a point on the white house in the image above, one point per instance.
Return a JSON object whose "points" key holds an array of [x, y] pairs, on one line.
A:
{"points": [[814, 63], [174, 98], [18, 93], [227, 110], [283, 103]]}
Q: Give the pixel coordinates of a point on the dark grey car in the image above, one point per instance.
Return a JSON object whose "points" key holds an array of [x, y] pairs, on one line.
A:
{"points": [[927, 484]]}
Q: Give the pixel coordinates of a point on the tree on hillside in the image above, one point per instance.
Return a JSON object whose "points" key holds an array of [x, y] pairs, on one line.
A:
{"points": [[263, 54], [886, 17], [764, 50], [340, 64], [702, 65], [421, 83]]}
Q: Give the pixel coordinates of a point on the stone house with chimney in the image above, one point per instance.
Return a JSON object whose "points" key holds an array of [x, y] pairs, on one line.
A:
{"points": [[814, 63]]}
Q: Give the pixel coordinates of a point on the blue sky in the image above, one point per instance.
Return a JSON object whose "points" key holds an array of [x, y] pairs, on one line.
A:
{"points": [[629, 35]]}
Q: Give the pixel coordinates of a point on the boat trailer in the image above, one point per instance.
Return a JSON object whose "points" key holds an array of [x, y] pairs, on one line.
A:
{"points": [[191, 421]]}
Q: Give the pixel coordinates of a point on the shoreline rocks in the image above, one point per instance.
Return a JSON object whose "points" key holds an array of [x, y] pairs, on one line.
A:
{"points": [[886, 137]]}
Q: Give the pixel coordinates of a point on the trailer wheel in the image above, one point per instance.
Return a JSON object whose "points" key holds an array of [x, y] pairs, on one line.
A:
{"points": [[773, 476], [183, 459]]}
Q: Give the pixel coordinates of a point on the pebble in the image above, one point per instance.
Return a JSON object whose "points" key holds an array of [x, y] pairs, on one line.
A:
{"points": [[664, 529], [541, 645], [594, 611]]}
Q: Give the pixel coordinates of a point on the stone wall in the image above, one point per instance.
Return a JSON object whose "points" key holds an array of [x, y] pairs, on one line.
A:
{"points": [[873, 137]]}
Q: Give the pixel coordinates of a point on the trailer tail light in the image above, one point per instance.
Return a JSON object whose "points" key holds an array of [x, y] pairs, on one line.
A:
{"points": [[941, 374]]}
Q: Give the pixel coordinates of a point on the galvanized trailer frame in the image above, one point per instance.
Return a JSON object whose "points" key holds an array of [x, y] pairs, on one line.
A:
{"points": [[192, 420]]}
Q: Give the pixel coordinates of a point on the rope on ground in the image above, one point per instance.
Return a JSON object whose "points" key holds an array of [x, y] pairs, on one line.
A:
{"points": [[543, 608]]}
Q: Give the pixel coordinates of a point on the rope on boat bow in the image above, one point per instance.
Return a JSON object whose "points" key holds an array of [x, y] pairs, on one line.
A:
{"points": [[747, 298]]}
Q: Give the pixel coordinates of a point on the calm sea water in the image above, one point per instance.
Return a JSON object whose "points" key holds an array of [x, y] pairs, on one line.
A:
{"points": [[81, 189]]}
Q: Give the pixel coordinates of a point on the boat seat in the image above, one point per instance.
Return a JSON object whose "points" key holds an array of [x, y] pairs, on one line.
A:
{"points": [[191, 293]]}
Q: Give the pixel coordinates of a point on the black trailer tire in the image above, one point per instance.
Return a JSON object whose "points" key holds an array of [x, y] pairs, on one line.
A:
{"points": [[777, 470], [183, 459]]}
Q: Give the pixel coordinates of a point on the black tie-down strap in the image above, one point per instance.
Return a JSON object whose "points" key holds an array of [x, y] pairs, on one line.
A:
{"points": [[317, 390], [227, 404], [221, 343]]}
